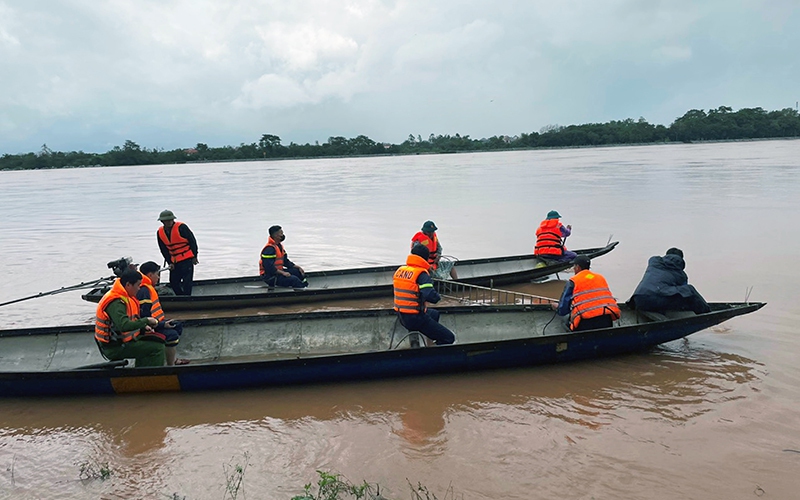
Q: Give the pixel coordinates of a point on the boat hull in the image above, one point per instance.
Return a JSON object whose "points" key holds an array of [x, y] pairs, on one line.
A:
{"points": [[351, 284], [309, 353]]}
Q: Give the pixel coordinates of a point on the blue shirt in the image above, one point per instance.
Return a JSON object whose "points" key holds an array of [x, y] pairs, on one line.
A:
{"points": [[426, 289], [566, 299]]}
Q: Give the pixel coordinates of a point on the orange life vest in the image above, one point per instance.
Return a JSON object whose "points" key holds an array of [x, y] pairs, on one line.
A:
{"points": [[548, 239], [177, 245], [155, 308], [279, 255], [103, 328], [431, 243], [407, 297], [591, 297]]}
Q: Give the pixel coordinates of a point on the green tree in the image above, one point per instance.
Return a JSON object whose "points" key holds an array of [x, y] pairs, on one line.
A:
{"points": [[270, 145]]}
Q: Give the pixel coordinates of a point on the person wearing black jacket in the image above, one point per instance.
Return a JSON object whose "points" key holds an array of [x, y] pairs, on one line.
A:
{"points": [[179, 248], [665, 287]]}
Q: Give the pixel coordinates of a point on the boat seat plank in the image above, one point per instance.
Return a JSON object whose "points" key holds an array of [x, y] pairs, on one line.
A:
{"points": [[667, 315], [651, 316]]}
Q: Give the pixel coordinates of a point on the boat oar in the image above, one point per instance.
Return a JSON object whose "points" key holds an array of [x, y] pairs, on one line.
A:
{"points": [[101, 366], [79, 286]]}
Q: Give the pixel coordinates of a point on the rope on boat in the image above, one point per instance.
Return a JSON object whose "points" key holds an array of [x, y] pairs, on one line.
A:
{"points": [[555, 313], [394, 328]]}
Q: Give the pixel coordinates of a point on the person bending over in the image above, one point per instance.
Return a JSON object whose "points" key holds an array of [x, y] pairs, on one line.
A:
{"points": [[665, 287], [440, 269], [168, 330]]}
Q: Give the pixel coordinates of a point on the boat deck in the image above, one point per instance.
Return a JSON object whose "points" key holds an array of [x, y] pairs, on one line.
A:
{"points": [[227, 340]]}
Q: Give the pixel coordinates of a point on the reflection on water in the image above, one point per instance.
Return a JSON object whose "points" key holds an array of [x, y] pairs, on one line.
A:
{"points": [[313, 427], [682, 384]]}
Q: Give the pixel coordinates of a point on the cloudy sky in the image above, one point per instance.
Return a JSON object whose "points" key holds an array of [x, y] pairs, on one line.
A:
{"points": [[89, 74]]}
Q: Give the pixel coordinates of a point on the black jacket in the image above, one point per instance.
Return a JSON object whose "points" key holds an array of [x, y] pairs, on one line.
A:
{"points": [[665, 286]]}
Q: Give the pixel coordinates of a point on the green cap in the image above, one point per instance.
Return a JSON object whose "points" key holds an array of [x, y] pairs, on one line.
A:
{"points": [[552, 214], [166, 215], [429, 226]]}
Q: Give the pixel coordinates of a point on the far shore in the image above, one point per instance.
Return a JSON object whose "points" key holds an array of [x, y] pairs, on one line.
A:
{"points": [[423, 153]]}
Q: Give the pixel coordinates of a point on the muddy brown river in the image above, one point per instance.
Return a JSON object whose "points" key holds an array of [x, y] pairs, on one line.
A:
{"points": [[716, 416]]}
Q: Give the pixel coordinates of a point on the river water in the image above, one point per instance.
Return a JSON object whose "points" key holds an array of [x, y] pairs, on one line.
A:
{"points": [[713, 417]]}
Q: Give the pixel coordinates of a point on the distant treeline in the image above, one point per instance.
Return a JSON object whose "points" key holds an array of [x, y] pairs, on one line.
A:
{"points": [[696, 125]]}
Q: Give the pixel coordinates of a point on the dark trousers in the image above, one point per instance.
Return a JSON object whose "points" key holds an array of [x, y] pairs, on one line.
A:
{"points": [[427, 323], [567, 257], [171, 335], [604, 321], [181, 277], [296, 280], [660, 303]]}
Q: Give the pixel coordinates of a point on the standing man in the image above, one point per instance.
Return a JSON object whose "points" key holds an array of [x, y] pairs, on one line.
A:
{"points": [[412, 289], [275, 267], [168, 330], [587, 299], [427, 238], [118, 328], [179, 249], [550, 238]]}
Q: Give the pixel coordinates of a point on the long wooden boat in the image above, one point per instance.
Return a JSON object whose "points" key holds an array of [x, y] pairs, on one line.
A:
{"points": [[325, 347], [355, 283]]}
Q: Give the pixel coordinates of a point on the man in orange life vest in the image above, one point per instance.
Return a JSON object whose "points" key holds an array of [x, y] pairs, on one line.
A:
{"points": [[275, 267], [179, 248], [587, 299], [550, 237], [120, 331], [427, 237], [412, 288], [168, 330]]}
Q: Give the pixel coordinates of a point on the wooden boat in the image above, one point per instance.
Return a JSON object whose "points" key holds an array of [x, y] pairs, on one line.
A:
{"points": [[325, 347], [356, 283]]}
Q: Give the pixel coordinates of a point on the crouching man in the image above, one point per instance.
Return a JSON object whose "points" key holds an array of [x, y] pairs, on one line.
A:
{"points": [[167, 330]]}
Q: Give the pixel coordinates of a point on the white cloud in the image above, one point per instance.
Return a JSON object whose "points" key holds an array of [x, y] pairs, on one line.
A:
{"points": [[273, 91], [102, 72], [304, 48], [462, 45], [671, 53], [8, 39]]}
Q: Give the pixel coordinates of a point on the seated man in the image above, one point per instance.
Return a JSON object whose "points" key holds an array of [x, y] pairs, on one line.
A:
{"points": [[427, 237], [118, 328], [412, 288], [168, 330], [275, 267], [550, 238], [587, 299], [665, 287]]}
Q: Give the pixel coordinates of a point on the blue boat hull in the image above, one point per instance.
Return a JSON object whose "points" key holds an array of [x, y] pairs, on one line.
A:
{"points": [[528, 351]]}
